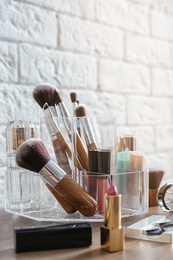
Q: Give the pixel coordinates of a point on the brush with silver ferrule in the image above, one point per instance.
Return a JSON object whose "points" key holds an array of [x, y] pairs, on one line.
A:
{"points": [[75, 103], [87, 126], [60, 145], [46, 93], [81, 150], [73, 97], [32, 155]]}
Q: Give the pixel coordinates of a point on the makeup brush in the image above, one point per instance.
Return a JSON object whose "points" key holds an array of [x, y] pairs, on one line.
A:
{"points": [[32, 155], [73, 97], [88, 132], [60, 145], [46, 93], [155, 178], [81, 151], [75, 103]]}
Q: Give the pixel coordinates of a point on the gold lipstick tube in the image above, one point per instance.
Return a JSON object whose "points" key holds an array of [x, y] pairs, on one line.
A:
{"points": [[112, 233]]}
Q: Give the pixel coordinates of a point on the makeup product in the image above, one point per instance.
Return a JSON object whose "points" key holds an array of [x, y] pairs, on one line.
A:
{"points": [[123, 161], [33, 156], [81, 150], [75, 103], [165, 197], [60, 145], [155, 178], [17, 132], [112, 232], [46, 93], [137, 161], [73, 97], [155, 228], [104, 163], [71, 235], [87, 127], [93, 169], [126, 142]]}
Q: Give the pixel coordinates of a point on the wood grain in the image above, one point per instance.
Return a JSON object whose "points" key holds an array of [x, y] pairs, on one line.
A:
{"points": [[134, 249]]}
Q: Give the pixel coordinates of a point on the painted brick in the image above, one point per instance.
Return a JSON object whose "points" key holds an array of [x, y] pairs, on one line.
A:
{"points": [[148, 110], [127, 15], [163, 134], [123, 77], [60, 68], [161, 25], [162, 82], [28, 23], [149, 51], [145, 136], [17, 103], [82, 8], [162, 160], [88, 37], [8, 62]]}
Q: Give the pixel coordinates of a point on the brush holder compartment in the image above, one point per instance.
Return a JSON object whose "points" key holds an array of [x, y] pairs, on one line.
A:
{"points": [[43, 206], [79, 136]]}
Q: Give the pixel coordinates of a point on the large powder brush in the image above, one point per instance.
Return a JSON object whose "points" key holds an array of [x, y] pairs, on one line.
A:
{"points": [[155, 179], [46, 93], [32, 155]]}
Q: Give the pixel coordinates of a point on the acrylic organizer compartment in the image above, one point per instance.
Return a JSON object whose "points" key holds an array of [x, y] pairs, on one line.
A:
{"points": [[35, 200]]}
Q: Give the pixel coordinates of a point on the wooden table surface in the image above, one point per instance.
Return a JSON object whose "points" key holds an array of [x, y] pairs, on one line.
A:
{"points": [[134, 249]]}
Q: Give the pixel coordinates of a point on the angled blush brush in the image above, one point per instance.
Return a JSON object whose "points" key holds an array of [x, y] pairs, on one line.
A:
{"points": [[81, 151], [32, 155], [88, 131], [60, 145], [46, 93]]}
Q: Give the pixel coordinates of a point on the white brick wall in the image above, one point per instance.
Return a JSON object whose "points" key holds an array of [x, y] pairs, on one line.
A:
{"points": [[116, 54]]}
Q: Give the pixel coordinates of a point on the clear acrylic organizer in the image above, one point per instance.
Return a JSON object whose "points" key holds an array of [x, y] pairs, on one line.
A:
{"points": [[41, 205]]}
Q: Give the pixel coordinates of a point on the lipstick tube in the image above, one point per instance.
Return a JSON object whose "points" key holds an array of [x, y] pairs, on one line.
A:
{"points": [[69, 189], [112, 233]]}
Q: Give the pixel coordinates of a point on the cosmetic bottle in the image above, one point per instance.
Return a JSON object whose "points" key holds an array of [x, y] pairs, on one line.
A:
{"points": [[17, 181]]}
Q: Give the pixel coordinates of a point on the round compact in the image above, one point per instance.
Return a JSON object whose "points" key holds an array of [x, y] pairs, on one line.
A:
{"points": [[165, 197]]}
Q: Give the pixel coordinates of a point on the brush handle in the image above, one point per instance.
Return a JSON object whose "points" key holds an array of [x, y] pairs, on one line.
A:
{"points": [[82, 153], [60, 153], [64, 203], [66, 147], [77, 196]]}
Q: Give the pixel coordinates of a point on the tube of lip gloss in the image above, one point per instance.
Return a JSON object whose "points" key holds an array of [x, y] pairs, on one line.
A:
{"points": [[104, 163]]}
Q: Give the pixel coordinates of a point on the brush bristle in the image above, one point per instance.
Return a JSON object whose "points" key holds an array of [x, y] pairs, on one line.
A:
{"points": [[80, 111], [73, 97], [43, 93], [45, 106], [32, 155], [57, 97], [155, 178]]}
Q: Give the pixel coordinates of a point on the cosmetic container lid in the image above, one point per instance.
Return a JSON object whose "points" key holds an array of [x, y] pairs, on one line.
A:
{"points": [[127, 142], [93, 160], [104, 161], [52, 237]]}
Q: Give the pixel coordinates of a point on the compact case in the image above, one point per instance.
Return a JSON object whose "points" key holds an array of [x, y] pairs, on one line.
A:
{"points": [[155, 228]]}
